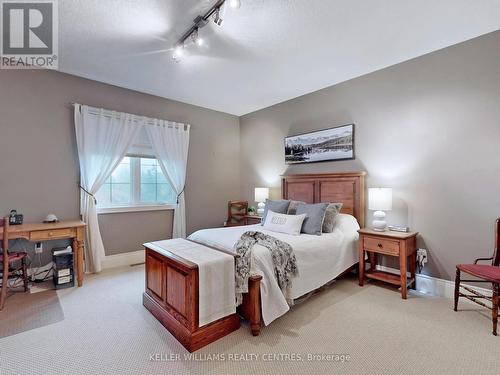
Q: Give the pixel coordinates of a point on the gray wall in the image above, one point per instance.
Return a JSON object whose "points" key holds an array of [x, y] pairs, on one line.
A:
{"points": [[429, 128], [39, 165]]}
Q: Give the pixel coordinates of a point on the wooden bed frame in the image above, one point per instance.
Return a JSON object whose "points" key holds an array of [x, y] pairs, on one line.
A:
{"points": [[172, 282]]}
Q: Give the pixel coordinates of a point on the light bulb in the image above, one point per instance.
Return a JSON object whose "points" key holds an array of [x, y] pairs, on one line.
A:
{"points": [[178, 52], [235, 4], [199, 42]]}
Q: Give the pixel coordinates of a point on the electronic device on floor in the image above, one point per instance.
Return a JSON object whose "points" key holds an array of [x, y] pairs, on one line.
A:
{"points": [[64, 275]]}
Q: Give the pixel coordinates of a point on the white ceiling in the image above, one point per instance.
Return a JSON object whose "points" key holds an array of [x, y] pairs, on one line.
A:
{"points": [[266, 52]]}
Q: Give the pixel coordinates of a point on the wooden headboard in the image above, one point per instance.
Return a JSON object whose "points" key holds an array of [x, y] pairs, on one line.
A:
{"points": [[347, 188]]}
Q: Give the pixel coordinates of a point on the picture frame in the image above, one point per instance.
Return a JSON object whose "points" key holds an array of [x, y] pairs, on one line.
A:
{"points": [[332, 144]]}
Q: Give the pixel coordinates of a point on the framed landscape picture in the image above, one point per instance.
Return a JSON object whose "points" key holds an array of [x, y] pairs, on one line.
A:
{"points": [[323, 145]]}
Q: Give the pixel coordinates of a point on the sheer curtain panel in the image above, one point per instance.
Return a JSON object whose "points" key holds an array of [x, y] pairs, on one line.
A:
{"points": [[103, 138], [170, 143]]}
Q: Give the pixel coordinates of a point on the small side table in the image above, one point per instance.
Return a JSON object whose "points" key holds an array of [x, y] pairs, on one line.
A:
{"points": [[396, 244], [252, 219]]}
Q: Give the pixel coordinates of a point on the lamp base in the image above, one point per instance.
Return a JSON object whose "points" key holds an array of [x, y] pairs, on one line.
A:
{"points": [[260, 209], [379, 224]]}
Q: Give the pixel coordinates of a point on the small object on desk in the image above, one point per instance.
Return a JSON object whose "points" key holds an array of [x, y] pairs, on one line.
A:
{"points": [[15, 218], [252, 219], [396, 244], [380, 200], [261, 194], [396, 228], [51, 218]]}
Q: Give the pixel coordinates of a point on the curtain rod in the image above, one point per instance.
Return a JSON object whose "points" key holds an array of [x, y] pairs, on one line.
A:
{"points": [[148, 120]]}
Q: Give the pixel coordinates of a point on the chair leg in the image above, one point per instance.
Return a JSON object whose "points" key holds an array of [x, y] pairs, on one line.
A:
{"points": [[25, 275], [5, 285], [494, 311], [457, 288]]}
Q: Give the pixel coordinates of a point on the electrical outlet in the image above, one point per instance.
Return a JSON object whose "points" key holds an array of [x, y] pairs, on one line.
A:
{"points": [[38, 248]]}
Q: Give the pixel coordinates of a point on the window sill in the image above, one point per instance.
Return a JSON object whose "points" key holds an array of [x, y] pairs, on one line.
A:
{"points": [[121, 209]]}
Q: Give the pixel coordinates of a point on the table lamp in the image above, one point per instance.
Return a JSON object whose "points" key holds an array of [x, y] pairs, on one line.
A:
{"points": [[261, 194], [379, 200]]}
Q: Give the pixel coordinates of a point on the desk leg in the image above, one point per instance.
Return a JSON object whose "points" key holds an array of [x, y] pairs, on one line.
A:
{"points": [[402, 267], [78, 251], [361, 267]]}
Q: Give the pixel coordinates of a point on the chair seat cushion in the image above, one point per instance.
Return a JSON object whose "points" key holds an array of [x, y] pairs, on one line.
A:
{"points": [[486, 272], [13, 256]]}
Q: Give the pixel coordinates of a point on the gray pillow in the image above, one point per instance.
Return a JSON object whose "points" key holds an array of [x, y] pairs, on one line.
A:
{"points": [[292, 209], [280, 207], [331, 213], [313, 223]]}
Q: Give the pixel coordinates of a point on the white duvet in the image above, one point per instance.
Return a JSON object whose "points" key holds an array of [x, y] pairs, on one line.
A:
{"points": [[320, 259]]}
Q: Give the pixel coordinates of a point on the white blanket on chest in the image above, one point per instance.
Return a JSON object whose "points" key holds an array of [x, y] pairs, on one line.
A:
{"points": [[215, 275]]}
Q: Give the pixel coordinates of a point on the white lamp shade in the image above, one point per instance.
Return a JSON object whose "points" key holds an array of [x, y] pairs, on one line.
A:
{"points": [[380, 199], [261, 194]]}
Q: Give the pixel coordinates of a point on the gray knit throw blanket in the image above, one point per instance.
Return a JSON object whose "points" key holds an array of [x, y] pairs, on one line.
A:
{"points": [[284, 262]]}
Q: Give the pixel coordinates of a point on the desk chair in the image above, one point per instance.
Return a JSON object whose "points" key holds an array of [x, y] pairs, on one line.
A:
{"points": [[9, 261], [487, 274]]}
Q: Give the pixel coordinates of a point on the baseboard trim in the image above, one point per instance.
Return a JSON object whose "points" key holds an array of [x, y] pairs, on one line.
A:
{"points": [[124, 259], [435, 286]]}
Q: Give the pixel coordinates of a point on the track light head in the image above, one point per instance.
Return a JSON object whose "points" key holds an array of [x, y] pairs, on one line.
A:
{"points": [[235, 4], [178, 52], [217, 18], [195, 37]]}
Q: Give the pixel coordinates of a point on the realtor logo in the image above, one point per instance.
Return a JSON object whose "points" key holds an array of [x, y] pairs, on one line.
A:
{"points": [[29, 34]]}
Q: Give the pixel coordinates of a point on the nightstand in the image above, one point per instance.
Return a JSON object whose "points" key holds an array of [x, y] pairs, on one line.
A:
{"points": [[252, 219], [396, 244]]}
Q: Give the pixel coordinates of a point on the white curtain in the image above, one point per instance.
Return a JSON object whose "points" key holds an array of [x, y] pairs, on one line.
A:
{"points": [[103, 138], [170, 143]]}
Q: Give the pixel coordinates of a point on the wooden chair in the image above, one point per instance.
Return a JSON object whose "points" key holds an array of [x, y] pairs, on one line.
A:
{"points": [[487, 274], [236, 211], [8, 261]]}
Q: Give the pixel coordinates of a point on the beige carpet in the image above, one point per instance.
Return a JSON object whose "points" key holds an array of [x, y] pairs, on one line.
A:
{"points": [[27, 311], [107, 331]]}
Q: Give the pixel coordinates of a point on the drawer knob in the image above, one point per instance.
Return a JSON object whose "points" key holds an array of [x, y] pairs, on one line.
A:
{"points": [[380, 245], [51, 234]]}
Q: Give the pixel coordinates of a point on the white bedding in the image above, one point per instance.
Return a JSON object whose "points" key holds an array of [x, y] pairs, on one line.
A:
{"points": [[319, 259]]}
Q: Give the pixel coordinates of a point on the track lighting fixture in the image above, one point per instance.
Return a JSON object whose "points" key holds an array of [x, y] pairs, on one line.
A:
{"points": [[199, 22]]}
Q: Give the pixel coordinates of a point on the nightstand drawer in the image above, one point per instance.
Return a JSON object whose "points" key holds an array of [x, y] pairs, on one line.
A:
{"points": [[381, 246]]}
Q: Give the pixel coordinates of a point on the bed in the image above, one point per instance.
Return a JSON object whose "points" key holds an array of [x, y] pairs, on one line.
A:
{"points": [[320, 258], [172, 290]]}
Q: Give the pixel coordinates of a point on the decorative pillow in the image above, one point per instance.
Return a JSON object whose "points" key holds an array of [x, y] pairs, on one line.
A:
{"points": [[289, 224], [331, 213], [313, 223], [292, 208], [280, 207]]}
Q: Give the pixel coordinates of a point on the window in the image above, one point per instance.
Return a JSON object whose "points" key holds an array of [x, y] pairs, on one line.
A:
{"points": [[136, 181]]}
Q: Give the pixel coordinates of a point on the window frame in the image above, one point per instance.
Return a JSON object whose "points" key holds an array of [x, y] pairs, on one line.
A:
{"points": [[135, 205]]}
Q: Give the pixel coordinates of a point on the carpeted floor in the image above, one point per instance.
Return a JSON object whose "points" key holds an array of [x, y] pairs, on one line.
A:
{"points": [[107, 331]]}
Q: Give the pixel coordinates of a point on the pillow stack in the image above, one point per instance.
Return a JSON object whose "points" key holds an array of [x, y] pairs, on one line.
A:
{"points": [[314, 218]]}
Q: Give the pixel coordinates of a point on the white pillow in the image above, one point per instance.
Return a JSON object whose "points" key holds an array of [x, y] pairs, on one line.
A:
{"points": [[289, 224]]}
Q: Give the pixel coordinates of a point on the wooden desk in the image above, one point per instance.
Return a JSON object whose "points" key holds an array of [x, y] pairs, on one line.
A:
{"points": [[396, 244], [38, 232]]}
